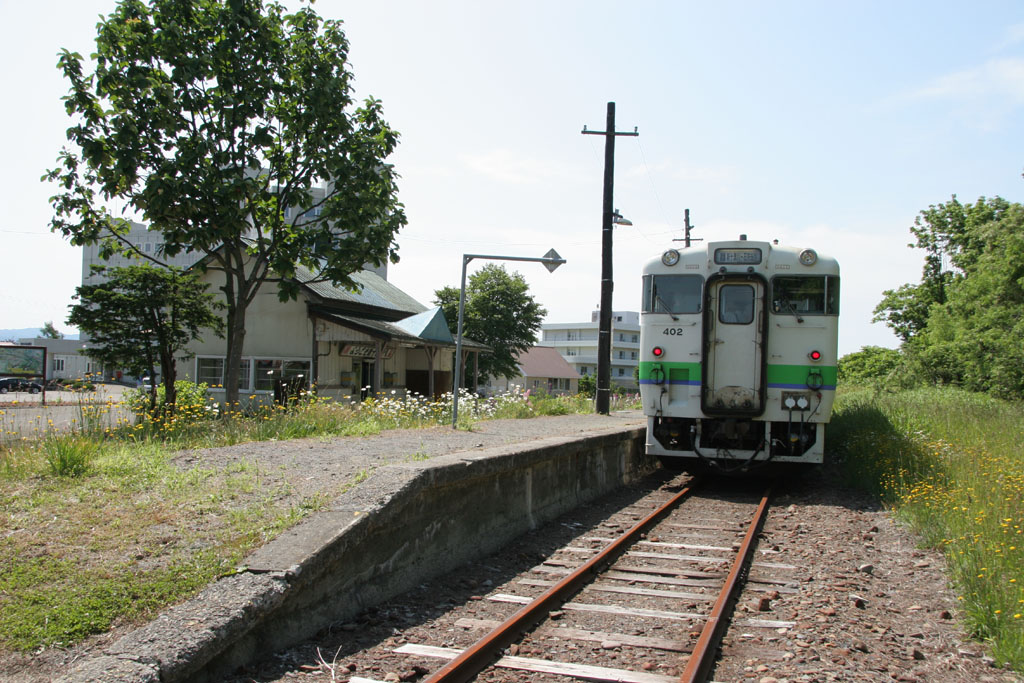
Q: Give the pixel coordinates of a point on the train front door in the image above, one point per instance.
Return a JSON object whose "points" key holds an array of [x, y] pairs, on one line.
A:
{"points": [[734, 344]]}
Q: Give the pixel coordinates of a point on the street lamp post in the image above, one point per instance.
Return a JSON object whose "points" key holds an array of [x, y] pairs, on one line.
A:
{"points": [[551, 260]]}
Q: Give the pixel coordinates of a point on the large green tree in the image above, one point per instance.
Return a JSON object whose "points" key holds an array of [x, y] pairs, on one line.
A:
{"points": [[500, 312], [142, 317], [951, 235], [231, 128], [974, 337], [963, 323]]}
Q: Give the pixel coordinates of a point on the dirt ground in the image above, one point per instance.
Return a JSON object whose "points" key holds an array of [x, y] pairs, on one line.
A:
{"points": [[872, 605]]}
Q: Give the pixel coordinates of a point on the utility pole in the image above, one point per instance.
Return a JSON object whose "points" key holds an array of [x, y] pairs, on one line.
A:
{"points": [[604, 337], [686, 231]]}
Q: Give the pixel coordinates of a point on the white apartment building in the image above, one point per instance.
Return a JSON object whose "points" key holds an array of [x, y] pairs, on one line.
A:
{"points": [[149, 242], [577, 344]]}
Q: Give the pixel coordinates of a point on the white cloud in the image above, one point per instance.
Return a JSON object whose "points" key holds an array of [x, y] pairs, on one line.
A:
{"points": [[510, 166], [982, 97], [1013, 35], [999, 78], [682, 173]]}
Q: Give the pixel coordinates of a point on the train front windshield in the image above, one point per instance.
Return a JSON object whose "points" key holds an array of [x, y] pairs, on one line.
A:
{"points": [[672, 293], [806, 295]]}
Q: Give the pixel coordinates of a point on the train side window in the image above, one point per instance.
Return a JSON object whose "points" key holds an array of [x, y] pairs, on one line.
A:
{"points": [[832, 295], [805, 295], [672, 293], [736, 304]]}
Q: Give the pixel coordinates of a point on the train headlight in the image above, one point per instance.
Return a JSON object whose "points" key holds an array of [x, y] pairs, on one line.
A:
{"points": [[657, 352], [808, 257], [814, 355], [670, 257]]}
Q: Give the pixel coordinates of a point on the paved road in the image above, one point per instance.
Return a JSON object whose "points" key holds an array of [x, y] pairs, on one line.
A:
{"points": [[23, 414]]}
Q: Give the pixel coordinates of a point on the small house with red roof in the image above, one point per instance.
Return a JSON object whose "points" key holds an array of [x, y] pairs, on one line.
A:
{"points": [[540, 367]]}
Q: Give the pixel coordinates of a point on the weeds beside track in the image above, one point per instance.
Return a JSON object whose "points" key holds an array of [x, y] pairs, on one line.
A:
{"points": [[951, 464]]}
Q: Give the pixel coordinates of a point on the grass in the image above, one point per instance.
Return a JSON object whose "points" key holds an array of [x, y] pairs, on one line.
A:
{"points": [[101, 528], [950, 463], [122, 540]]}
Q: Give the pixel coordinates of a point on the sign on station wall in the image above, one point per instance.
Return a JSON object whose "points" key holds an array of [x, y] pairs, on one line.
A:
{"points": [[365, 351]]}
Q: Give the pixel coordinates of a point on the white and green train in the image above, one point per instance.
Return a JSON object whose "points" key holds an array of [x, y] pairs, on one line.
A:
{"points": [[738, 352]]}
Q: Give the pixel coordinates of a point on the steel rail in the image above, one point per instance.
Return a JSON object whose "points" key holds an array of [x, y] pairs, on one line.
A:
{"points": [[484, 651], [704, 650]]}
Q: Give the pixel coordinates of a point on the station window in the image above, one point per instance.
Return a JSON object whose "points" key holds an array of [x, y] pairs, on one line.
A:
{"points": [[269, 371], [672, 293], [211, 372], [805, 295]]}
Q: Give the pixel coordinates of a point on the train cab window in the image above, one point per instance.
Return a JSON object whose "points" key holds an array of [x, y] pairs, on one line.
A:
{"points": [[736, 304], [672, 293], [805, 295]]}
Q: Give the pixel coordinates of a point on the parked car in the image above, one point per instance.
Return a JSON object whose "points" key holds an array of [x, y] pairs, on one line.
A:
{"points": [[8, 384]]}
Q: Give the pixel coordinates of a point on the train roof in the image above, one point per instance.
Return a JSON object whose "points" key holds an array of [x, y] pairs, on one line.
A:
{"points": [[774, 258]]}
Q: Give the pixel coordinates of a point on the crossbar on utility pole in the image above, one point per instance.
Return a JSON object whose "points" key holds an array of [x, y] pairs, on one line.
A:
{"points": [[686, 231], [604, 337]]}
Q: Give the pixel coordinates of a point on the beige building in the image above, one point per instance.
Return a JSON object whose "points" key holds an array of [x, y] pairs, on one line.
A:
{"points": [[351, 343]]}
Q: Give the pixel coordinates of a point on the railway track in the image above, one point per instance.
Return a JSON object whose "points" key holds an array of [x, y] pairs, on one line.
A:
{"points": [[835, 592], [643, 596]]}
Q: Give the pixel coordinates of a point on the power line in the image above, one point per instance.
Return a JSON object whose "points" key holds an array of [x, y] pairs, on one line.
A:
{"points": [[654, 188]]}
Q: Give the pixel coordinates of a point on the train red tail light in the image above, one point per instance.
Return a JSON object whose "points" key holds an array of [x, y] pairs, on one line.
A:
{"points": [[814, 355], [658, 352]]}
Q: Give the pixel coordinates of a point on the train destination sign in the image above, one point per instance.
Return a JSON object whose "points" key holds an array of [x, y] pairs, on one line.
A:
{"points": [[747, 257]]}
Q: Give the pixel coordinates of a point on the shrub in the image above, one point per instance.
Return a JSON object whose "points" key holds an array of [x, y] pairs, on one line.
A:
{"points": [[869, 365], [191, 399], [68, 455]]}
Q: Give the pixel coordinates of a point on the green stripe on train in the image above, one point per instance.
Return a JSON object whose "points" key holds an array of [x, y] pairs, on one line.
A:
{"points": [[660, 371], [657, 371], [797, 374]]}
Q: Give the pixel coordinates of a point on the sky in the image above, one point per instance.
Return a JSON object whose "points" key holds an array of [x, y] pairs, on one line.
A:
{"points": [[823, 125]]}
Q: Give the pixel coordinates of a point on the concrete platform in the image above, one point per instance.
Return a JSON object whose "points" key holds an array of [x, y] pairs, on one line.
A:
{"points": [[407, 523]]}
